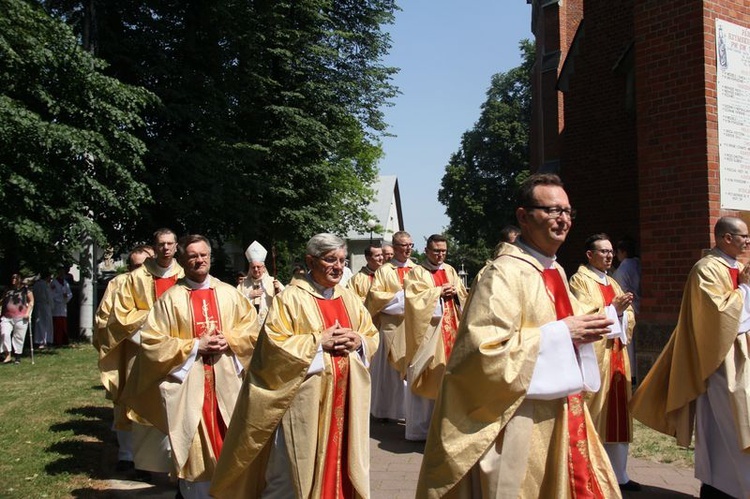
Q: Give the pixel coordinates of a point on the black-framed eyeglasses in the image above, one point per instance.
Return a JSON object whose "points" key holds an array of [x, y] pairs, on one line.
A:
{"points": [[555, 211], [404, 245], [746, 237], [605, 251]]}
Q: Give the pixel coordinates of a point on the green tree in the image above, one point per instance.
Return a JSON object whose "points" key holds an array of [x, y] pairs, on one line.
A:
{"points": [[69, 156], [272, 110], [480, 180]]}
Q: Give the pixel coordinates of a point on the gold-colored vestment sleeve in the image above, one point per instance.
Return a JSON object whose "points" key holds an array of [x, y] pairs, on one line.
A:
{"points": [[585, 287], [278, 386], [384, 287], [482, 406], [360, 283], [422, 297], [704, 338]]}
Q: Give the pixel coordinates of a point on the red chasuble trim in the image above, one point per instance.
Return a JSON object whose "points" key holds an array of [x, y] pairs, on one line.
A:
{"points": [[162, 284], [336, 482], [206, 320], [449, 324], [618, 427], [402, 271], [583, 483], [734, 274]]}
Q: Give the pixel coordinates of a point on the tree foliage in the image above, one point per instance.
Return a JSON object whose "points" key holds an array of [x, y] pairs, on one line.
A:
{"points": [[480, 180], [69, 157], [271, 115]]}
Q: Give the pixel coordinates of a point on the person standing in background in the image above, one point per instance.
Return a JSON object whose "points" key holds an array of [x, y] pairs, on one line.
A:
{"points": [[42, 314], [61, 295]]}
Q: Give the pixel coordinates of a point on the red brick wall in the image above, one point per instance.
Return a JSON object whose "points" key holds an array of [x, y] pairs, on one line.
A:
{"points": [[598, 141], [653, 173]]}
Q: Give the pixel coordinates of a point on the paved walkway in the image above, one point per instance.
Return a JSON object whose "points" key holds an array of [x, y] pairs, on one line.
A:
{"points": [[395, 466]]}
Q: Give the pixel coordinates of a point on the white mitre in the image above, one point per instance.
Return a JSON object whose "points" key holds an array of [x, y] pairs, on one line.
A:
{"points": [[256, 253]]}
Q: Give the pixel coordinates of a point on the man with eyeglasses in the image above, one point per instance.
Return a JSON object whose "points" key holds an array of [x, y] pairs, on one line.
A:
{"points": [[703, 374], [131, 304], [195, 344], [385, 301], [509, 418], [301, 427], [434, 295], [598, 292]]}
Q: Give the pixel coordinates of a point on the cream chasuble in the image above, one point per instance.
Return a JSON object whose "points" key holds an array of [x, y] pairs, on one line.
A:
{"points": [[608, 406], [263, 302], [709, 337], [131, 304], [168, 382], [361, 282], [489, 437], [284, 387], [383, 303], [431, 326]]}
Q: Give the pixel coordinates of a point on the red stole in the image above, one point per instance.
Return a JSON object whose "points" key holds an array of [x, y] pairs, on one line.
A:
{"points": [[402, 271], [162, 284], [206, 320], [583, 483], [617, 429], [450, 318], [734, 274], [336, 483]]}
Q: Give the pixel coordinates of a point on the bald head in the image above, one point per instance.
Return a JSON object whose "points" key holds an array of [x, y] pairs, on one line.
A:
{"points": [[731, 236]]}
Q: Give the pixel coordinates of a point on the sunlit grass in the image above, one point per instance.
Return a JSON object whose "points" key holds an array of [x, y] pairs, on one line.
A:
{"points": [[54, 422], [654, 446]]}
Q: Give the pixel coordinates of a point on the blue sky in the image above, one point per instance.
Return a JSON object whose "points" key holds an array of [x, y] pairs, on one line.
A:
{"points": [[447, 52]]}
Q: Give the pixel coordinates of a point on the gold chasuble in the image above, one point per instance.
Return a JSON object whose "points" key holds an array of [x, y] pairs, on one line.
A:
{"points": [[705, 338], [608, 406], [430, 339], [361, 282], [131, 303], [488, 439], [388, 281], [192, 398], [322, 413]]}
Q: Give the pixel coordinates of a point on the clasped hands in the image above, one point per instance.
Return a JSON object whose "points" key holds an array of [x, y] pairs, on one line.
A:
{"points": [[622, 302], [209, 344], [340, 341], [587, 328], [448, 291]]}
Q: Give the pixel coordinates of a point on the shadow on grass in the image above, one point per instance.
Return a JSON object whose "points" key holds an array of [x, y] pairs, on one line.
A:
{"points": [[92, 450]]}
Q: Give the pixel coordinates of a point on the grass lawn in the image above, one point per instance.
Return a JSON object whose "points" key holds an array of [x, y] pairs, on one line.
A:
{"points": [[55, 422], [57, 442]]}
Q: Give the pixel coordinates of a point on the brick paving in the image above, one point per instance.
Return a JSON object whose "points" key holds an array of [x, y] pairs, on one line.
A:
{"points": [[394, 468]]}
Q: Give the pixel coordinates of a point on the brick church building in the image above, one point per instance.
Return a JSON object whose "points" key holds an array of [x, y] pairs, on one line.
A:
{"points": [[625, 111]]}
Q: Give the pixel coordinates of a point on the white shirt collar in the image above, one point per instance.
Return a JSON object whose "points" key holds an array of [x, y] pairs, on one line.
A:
{"points": [[327, 293], [601, 275], [546, 261], [206, 284]]}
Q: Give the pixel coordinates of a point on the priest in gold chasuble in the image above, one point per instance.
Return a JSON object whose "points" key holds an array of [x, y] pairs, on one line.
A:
{"points": [[434, 295], [701, 379], [301, 424], [598, 292], [131, 304], [509, 420], [385, 301], [104, 343], [361, 282], [188, 372]]}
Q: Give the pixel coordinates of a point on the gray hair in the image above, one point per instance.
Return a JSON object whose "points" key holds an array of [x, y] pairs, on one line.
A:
{"points": [[320, 244]]}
